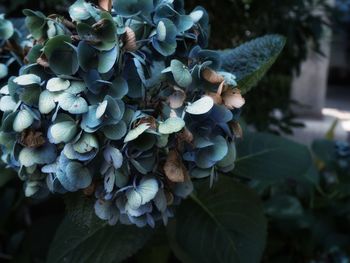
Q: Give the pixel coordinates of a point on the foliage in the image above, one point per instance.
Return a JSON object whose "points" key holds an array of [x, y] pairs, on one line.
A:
{"points": [[303, 23], [312, 220], [128, 110], [131, 113]]}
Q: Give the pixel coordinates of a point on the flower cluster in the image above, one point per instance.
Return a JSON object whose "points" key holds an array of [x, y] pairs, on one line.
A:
{"points": [[124, 104]]}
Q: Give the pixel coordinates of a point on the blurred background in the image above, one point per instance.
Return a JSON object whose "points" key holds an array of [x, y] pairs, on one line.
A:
{"points": [[305, 97], [307, 89]]}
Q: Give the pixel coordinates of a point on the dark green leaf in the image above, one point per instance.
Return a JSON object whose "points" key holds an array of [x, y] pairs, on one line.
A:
{"points": [[223, 224], [250, 61], [97, 244], [271, 158]]}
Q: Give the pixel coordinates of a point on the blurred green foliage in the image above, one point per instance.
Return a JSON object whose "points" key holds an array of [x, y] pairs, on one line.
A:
{"points": [[302, 22]]}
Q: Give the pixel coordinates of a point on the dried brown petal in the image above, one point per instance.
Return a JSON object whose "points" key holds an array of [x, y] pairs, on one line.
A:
{"points": [[174, 169], [149, 120], [177, 99], [105, 5], [130, 40], [217, 98], [42, 61], [169, 198], [90, 190], [100, 24], [32, 139], [233, 100], [236, 129], [185, 135], [212, 76]]}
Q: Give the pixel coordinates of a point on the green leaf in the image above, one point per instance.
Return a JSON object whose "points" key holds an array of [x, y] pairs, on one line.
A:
{"points": [[251, 61], [6, 175], [271, 158], [97, 244], [223, 224], [324, 150]]}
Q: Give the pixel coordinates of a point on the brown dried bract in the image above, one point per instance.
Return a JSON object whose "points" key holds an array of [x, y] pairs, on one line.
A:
{"points": [[212, 76], [236, 129], [169, 197], [233, 99], [90, 190], [149, 120], [105, 5], [130, 40], [177, 99], [32, 139], [100, 24], [174, 169], [42, 61], [185, 136]]}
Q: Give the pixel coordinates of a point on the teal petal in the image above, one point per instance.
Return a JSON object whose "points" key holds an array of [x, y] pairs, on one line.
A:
{"points": [[135, 133], [201, 106], [62, 132], [79, 11], [76, 87], [113, 157], [144, 193], [86, 143], [181, 74], [6, 29], [28, 79], [171, 125], [101, 109], [107, 59], [72, 103], [3, 70], [47, 102], [23, 120], [7, 104], [57, 84], [32, 156], [133, 7], [78, 176], [115, 132]]}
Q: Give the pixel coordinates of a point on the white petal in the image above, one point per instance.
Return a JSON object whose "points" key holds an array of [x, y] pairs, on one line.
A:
{"points": [[7, 104], [57, 84], [27, 79], [46, 102], [22, 121], [201, 106]]}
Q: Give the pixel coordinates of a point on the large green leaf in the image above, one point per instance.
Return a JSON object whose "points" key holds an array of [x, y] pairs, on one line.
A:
{"points": [[97, 244], [250, 61], [271, 158], [325, 150], [223, 224]]}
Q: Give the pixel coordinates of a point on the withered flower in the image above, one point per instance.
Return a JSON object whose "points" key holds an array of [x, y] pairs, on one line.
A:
{"points": [[174, 169]]}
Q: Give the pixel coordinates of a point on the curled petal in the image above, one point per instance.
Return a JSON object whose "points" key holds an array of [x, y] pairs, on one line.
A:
{"points": [[212, 76], [233, 100], [130, 40], [177, 99], [174, 169]]}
